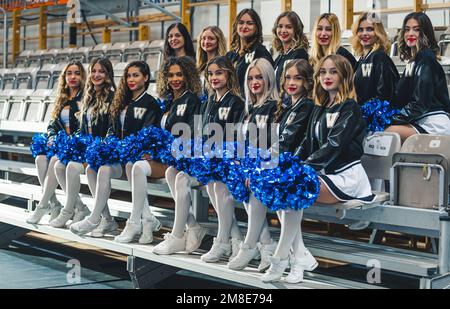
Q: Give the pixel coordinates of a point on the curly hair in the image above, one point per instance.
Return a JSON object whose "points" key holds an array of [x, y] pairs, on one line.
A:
{"points": [[190, 73], [299, 41], [426, 36], [63, 91], [124, 95], [188, 45], [346, 89], [224, 63], [239, 45], [306, 72], [202, 57], [91, 98], [381, 38]]}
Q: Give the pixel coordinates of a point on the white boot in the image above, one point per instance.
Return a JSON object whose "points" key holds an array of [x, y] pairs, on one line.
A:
{"points": [[266, 251], [218, 250], [62, 219], [170, 245], [244, 256], [235, 247], [55, 208], [129, 233], [194, 237], [147, 231], [105, 226], [81, 212], [37, 214], [83, 227], [276, 269]]}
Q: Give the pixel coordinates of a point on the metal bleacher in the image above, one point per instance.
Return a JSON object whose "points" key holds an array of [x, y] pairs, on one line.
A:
{"points": [[26, 98]]}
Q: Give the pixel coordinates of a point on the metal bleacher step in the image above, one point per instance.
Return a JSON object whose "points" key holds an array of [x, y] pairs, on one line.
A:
{"points": [[250, 276]]}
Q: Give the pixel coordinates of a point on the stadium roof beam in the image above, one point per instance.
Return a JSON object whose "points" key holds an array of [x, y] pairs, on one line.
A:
{"points": [[98, 9], [148, 3]]}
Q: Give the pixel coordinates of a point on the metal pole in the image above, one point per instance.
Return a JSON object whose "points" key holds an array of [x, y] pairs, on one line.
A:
{"points": [[444, 245], [5, 38]]}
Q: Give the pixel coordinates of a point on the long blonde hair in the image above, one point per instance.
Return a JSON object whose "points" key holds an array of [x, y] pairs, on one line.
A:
{"points": [[202, 57], [381, 38], [98, 102], [299, 40], [63, 91], [318, 51], [346, 89], [270, 88]]}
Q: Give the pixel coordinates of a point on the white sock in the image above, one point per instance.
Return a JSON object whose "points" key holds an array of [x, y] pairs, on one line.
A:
{"points": [[50, 184], [140, 171], [290, 226], [225, 207], [103, 191], [41, 167], [212, 194], [256, 219], [73, 184], [60, 173]]}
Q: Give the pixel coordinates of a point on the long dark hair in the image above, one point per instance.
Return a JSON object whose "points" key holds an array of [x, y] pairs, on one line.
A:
{"points": [[225, 64], [123, 95], [426, 36], [237, 43], [188, 45]]}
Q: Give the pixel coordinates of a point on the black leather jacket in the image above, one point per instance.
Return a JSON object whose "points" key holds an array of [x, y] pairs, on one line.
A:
{"points": [[182, 110], [293, 125], [376, 77], [346, 54], [241, 63], [334, 140], [102, 123], [142, 112], [228, 110], [283, 59], [56, 125], [263, 117], [422, 90]]}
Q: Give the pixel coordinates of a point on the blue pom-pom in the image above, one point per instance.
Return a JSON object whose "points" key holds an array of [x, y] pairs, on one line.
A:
{"points": [[204, 97], [73, 147], [164, 105], [103, 152], [378, 114], [290, 185], [38, 144]]}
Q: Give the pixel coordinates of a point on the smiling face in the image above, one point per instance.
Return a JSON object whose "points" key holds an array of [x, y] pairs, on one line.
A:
{"points": [[209, 41], [324, 32], [98, 75], [412, 32], [246, 27], [217, 77], [329, 78], [176, 39], [285, 30], [136, 80], [366, 34], [255, 82], [176, 78], [73, 77], [294, 83]]}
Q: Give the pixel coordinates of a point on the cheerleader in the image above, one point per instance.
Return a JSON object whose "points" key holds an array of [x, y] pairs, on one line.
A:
{"points": [[178, 42], [179, 80], [131, 110], [421, 93], [333, 147], [289, 41], [326, 37], [293, 120], [94, 120], [70, 91], [260, 107], [246, 44], [376, 75]]}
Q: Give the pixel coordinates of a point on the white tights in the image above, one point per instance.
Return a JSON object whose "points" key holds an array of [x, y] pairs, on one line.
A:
{"points": [[100, 187], [137, 174], [291, 234], [258, 229], [47, 178], [69, 179]]}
